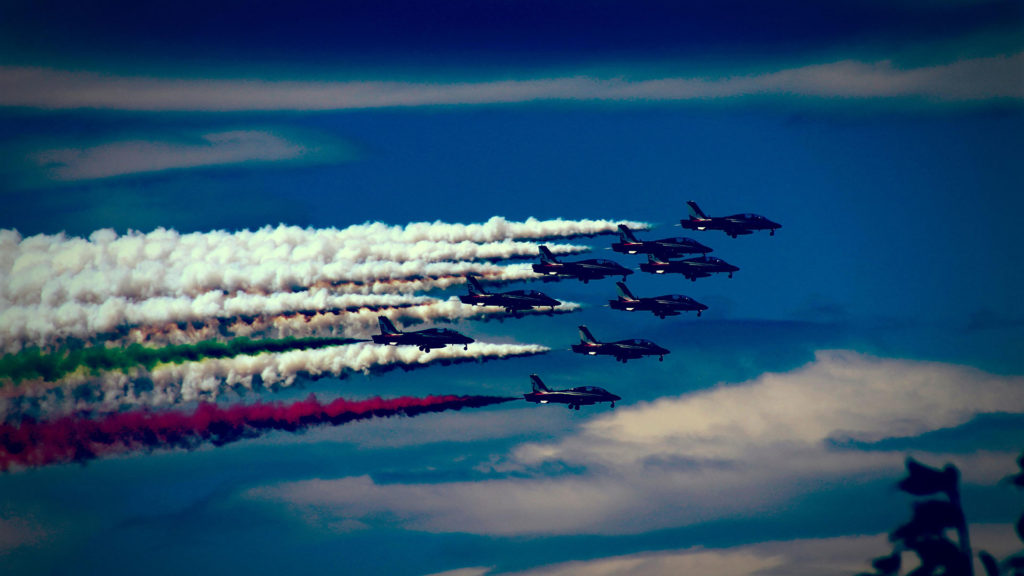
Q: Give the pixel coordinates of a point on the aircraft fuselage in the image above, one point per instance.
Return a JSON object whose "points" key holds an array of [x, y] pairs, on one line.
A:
{"points": [[584, 270], [692, 268], [662, 306]]}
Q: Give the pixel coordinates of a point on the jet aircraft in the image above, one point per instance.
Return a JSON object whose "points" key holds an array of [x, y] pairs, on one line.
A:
{"points": [[661, 306], [734, 225], [692, 268], [513, 301], [623, 350], [423, 339], [664, 248], [585, 270], [574, 397]]}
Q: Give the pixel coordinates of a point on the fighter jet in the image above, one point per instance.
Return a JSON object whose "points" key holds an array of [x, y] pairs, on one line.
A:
{"points": [[623, 350], [513, 301], [585, 270], [734, 225], [574, 397], [661, 306], [423, 339], [692, 268], [664, 248]]}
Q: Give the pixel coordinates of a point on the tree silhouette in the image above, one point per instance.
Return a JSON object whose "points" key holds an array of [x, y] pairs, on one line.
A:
{"points": [[927, 532]]}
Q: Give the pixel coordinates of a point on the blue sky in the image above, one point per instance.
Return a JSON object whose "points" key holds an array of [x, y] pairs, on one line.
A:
{"points": [[882, 320]]}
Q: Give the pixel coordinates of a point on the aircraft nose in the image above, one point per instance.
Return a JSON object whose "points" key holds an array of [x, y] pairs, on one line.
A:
{"points": [[614, 397]]}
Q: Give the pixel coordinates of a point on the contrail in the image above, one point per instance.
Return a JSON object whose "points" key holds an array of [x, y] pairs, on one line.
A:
{"points": [[76, 438], [57, 268], [169, 384]]}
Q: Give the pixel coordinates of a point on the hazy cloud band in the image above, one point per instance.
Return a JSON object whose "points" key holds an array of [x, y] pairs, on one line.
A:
{"points": [[977, 79]]}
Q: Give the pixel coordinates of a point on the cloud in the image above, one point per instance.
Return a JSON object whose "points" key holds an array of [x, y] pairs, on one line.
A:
{"points": [[839, 556], [977, 79], [729, 452], [142, 156]]}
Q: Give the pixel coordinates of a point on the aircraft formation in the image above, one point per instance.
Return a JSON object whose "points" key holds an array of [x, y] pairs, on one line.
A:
{"points": [[660, 254]]}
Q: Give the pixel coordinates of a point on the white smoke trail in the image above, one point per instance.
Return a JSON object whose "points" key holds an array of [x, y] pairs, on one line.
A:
{"points": [[355, 324], [53, 269], [35, 280], [158, 321], [43, 325], [206, 379], [505, 273]]}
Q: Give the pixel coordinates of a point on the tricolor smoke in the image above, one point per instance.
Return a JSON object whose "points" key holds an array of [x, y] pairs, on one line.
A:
{"points": [[79, 439], [31, 364], [174, 383], [165, 288]]}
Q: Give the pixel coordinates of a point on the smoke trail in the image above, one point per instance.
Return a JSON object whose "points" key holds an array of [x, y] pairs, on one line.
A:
{"points": [[44, 326], [52, 269], [154, 279], [359, 324], [169, 384], [79, 439], [167, 321], [32, 364]]}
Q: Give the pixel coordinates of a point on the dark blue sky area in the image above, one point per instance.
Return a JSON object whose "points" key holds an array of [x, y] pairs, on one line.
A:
{"points": [[470, 34], [887, 215]]}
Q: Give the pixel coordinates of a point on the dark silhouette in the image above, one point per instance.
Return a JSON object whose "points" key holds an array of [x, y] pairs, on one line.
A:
{"points": [[926, 534]]}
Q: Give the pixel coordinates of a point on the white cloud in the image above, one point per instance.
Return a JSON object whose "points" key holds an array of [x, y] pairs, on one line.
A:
{"points": [[966, 80], [735, 451], [141, 156]]}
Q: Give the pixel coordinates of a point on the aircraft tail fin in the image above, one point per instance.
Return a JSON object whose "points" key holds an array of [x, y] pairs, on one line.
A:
{"points": [[546, 256], [386, 327], [538, 385], [586, 337], [626, 235], [624, 293], [651, 258], [474, 286], [695, 212]]}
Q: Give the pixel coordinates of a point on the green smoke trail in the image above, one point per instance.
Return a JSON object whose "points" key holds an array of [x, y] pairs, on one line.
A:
{"points": [[31, 363]]}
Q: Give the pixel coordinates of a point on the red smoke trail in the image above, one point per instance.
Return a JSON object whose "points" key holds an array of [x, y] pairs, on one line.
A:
{"points": [[79, 439]]}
